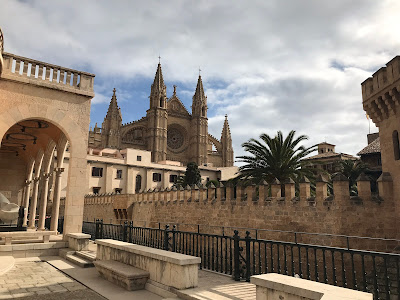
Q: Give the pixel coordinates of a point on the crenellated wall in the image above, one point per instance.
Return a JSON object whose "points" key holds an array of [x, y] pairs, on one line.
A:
{"points": [[364, 215]]}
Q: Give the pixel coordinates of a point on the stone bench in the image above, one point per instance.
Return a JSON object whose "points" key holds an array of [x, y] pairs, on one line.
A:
{"points": [[130, 278], [167, 269], [8, 237]]}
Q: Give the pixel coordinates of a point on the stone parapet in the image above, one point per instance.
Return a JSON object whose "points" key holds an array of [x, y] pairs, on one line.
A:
{"points": [[43, 74], [381, 91], [277, 286], [167, 268]]}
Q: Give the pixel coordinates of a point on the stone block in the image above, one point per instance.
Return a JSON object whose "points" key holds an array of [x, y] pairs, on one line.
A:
{"points": [[130, 278]]}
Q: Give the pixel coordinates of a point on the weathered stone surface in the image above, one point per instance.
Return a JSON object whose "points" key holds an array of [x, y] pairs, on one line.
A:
{"points": [[130, 278]]}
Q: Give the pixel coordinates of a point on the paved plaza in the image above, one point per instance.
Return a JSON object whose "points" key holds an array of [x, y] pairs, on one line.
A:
{"points": [[33, 278]]}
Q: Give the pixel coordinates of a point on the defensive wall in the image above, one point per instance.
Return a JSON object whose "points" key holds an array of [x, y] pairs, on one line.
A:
{"points": [[217, 209]]}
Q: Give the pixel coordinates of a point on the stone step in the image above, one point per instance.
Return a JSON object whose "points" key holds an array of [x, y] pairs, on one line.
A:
{"points": [[83, 263], [66, 251], [6, 264], [86, 254]]}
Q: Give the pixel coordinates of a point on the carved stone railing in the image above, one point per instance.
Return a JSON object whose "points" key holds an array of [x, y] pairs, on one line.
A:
{"points": [[44, 74]]}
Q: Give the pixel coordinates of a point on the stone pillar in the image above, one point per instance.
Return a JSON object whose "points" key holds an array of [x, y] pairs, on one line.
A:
{"points": [[32, 211], [364, 187], [26, 202], [276, 189], [229, 191], [56, 200], [262, 191], [305, 191], [220, 192], [187, 192], [250, 191], [341, 190], [321, 188], [43, 202], [385, 186], [290, 191]]}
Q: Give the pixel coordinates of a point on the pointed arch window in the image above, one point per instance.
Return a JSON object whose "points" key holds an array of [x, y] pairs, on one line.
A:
{"points": [[396, 146], [161, 102], [203, 111], [138, 186]]}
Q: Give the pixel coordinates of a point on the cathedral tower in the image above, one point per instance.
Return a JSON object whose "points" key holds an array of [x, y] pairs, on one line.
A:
{"points": [[157, 119], [111, 127], [199, 128], [226, 141]]}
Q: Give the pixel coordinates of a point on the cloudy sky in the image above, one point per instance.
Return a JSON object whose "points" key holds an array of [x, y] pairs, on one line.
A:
{"points": [[270, 65]]}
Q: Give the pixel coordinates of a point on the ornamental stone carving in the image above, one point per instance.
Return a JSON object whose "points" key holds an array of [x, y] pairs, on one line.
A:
{"points": [[175, 138]]}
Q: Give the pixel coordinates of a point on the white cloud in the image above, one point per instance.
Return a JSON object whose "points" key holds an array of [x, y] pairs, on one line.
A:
{"points": [[271, 65]]}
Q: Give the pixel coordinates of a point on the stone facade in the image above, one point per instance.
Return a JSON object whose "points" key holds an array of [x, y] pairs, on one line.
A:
{"points": [[381, 99], [42, 107], [168, 130]]}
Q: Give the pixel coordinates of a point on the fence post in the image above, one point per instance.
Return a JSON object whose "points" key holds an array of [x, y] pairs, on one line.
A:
{"points": [[166, 237], [97, 229], [130, 231], [125, 232], [173, 238], [101, 229], [236, 254], [248, 259]]}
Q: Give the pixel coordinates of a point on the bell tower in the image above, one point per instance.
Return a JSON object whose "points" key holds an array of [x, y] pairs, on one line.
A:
{"points": [[157, 118]]}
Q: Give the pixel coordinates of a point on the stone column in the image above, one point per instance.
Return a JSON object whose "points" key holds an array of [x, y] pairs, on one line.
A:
{"points": [[26, 202], [43, 202], [32, 211], [56, 200]]}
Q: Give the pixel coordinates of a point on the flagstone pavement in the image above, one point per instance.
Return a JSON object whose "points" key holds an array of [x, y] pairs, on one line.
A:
{"points": [[35, 279]]}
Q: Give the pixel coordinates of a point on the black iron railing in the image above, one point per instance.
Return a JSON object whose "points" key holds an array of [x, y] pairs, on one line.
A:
{"points": [[242, 257]]}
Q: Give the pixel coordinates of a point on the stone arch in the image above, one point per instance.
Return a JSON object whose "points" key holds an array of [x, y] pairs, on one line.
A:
{"points": [[77, 137], [215, 142]]}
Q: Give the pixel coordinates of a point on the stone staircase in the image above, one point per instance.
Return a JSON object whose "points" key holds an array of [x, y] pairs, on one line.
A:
{"points": [[83, 259]]}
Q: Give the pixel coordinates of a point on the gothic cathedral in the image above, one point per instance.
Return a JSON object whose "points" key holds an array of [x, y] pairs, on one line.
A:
{"points": [[168, 130]]}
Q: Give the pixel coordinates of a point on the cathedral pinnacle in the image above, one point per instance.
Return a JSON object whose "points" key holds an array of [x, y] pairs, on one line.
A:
{"points": [[226, 132], [199, 96], [158, 84]]}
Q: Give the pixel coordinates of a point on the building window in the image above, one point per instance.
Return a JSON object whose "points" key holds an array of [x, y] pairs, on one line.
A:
{"points": [[138, 158], [396, 149], [97, 172], [119, 174], [118, 191], [156, 177], [138, 186], [173, 178], [96, 190], [379, 161]]}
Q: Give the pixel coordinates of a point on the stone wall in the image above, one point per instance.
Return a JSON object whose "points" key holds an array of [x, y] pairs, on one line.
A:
{"points": [[216, 210]]}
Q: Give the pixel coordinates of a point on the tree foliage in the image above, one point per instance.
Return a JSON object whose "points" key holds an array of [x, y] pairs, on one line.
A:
{"points": [[352, 169], [276, 157], [192, 176]]}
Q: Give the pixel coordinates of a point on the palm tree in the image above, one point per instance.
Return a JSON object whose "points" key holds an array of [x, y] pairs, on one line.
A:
{"points": [[352, 169], [276, 157]]}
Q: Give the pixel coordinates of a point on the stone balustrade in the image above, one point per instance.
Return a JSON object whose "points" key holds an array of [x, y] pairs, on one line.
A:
{"points": [[44, 74]]}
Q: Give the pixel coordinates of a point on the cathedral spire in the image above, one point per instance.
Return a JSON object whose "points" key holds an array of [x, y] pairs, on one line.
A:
{"points": [[113, 104], [199, 96], [226, 132], [158, 83]]}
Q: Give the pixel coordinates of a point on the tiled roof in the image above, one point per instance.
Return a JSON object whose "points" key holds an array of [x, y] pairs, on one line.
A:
{"points": [[329, 155], [373, 147]]}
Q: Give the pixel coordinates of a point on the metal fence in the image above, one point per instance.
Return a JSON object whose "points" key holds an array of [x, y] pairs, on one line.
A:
{"points": [[242, 257]]}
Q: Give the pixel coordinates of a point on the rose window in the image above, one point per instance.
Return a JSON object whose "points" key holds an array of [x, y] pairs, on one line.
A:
{"points": [[175, 138]]}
